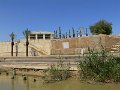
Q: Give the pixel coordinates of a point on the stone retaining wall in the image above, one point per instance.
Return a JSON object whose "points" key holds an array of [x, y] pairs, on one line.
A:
{"points": [[72, 46]]}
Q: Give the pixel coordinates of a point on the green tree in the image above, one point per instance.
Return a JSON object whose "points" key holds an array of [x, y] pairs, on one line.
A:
{"points": [[80, 33], [56, 33], [59, 32], [66, 35], [77, 33], [12, 36], [101, 27], [86, 32], [63, 35], [26, 34], [73, 32], [69, 34]]}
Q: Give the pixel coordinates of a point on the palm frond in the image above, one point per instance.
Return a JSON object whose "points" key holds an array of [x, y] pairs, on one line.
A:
{"points": [[26, 33], [12, 36]]}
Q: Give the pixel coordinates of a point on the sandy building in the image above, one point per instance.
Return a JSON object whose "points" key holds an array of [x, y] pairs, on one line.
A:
{"points": [[43, 43], [39, 44]]}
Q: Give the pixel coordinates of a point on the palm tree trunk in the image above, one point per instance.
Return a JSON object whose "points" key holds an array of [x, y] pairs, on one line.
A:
{"points": [[26, 50], [12, 44], [27, 43]]}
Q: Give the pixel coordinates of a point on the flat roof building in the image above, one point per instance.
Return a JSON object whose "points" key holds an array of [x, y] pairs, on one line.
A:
{"points": [[36, 35]]}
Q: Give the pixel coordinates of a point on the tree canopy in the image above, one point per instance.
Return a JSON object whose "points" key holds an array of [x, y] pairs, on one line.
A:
{"points": [[101, 27], [12, 36], [26, 33]]}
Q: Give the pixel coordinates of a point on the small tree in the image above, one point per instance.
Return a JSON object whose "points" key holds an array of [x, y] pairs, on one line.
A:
{"points": [[63, 35], [66, 35], [59, 32], [80, 33], [86, 32], [56, 34], [26, 33], [77, 33], [69, 34], [101, 27], [12, 36], [73, 32]]}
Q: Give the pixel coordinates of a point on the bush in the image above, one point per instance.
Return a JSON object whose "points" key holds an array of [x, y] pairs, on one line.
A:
{"points": [[57, 72], [101, 67]]}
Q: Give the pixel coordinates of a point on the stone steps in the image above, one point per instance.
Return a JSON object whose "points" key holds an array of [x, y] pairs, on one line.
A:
{"points": [[40, 59]]}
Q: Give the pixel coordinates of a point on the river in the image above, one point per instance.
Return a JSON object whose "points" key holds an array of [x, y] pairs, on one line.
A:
{"points": [[6, 83]]}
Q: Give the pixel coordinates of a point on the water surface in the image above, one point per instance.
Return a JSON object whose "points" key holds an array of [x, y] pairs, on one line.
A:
{"points": [[6, 83]]}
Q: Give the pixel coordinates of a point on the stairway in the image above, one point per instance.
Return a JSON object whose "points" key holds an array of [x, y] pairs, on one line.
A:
{"points": [[40, 50]]}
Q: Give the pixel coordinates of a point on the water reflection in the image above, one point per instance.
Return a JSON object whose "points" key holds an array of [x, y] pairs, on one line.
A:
{"points": [[12, 84], [6, 83]]}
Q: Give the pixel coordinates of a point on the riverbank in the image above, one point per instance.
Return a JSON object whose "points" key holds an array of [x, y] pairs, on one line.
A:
{"points": [[29, 69], [23, 71], [37, 65], [97, 67]]}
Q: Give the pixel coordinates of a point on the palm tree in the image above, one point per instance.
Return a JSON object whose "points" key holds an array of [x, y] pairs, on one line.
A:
{"points": [[12, 36], [26, 34]]}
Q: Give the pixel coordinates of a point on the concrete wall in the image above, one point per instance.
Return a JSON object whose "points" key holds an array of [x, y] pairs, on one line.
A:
{"points": [[4, 48], [111, 40], [81, 44], [36, 48], [68, 46]]}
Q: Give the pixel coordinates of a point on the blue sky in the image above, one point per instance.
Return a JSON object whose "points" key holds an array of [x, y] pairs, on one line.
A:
{"points": [[48, 15]]}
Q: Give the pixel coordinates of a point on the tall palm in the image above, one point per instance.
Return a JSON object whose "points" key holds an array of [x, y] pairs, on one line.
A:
{"points": [[26, 34], [12, 36]]}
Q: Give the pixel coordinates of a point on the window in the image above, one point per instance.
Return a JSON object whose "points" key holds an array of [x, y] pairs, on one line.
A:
{"points": [[32, 36], [47, 36], [65, 45], [40, 36]]}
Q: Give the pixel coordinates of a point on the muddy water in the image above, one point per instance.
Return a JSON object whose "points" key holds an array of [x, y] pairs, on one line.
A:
{"points": [[6, 83]]}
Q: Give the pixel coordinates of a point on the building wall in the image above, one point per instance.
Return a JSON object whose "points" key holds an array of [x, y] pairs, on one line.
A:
{"points": [[68, 46], [111, 40], [81, 44], [4, 48], [36, 48]]}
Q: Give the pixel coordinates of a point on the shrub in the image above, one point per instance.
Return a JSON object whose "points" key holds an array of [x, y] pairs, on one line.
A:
{"points": [[101, 67], [57, 72]]}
